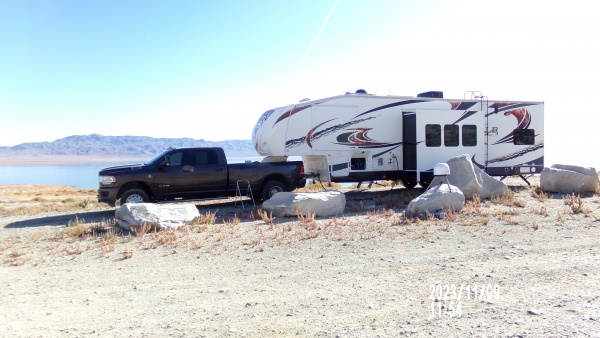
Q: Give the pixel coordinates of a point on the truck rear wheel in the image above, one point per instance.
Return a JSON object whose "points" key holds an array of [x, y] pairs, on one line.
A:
{"points": [[271, 188], [134, 196]]}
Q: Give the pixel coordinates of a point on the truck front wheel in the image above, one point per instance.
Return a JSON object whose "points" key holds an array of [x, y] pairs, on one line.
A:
{"points": [[271, 188], [134, 196]]}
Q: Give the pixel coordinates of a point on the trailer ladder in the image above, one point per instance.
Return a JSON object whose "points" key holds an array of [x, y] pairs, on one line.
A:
{"points": [[477, 95], [240, 196]]}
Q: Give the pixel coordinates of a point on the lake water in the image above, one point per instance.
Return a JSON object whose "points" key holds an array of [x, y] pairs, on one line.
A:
{"points": [[75, 174]]}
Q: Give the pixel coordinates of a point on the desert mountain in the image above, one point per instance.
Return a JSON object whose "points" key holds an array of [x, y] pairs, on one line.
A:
{"points": [[130, 146]]}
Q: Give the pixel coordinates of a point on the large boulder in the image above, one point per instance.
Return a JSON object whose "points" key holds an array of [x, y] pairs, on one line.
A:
{"points": [[323, 203], [568, 179], [439, 197], [470, 179], [171, 216]]}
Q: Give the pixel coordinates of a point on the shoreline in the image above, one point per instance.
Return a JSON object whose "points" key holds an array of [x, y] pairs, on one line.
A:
{"points": [[45, 159]]}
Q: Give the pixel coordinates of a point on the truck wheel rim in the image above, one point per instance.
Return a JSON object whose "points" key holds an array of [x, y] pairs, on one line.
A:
{"points": [[135, 199], [274, 190]]}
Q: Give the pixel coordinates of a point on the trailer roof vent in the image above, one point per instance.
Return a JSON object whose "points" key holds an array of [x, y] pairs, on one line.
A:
{"points": [[433, 94], [361, 91]]}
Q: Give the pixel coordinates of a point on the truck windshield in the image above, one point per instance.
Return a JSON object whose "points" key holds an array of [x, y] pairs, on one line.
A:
{"points": [[156, 158]]}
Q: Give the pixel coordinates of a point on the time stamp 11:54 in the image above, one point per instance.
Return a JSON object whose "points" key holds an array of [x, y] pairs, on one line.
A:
{"points": [[447, 299]]}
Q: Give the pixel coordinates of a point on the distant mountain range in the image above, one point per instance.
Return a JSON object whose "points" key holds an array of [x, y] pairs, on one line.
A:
{"points": [[127, 146]]}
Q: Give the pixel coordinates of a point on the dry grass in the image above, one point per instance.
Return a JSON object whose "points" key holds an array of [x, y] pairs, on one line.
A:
{"points": [[577, 204], [33, 199], [256, 229], [540, 194], [314, 186]]}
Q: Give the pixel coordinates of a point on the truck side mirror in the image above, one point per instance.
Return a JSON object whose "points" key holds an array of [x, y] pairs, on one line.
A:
{"points": [[167, 161]]}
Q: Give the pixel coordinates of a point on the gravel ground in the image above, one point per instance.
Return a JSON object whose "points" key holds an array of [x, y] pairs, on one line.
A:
{"points": [[524, 267]]}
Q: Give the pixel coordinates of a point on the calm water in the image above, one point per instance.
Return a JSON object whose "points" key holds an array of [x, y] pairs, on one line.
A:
{"points": [[75, 174]]}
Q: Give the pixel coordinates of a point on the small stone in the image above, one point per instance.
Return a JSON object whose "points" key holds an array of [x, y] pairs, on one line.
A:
{"points": [[534, 312]]}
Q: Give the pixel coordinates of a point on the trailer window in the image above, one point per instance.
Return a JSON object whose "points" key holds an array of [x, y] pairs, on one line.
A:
{"points": [[433, 135], [451, 135], [469, 135], [524, 137]]}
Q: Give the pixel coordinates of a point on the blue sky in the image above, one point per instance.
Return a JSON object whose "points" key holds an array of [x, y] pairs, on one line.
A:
{"points": [[209, 69]]}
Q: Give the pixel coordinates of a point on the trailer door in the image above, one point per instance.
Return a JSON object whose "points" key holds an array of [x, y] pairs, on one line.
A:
{"points": [[409, 149]]}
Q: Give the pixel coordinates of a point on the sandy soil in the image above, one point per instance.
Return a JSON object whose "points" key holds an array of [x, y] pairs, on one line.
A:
{"points": [[527, 266]]}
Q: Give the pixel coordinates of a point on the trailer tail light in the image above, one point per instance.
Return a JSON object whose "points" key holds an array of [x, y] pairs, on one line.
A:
{"points": [[301, 170]]}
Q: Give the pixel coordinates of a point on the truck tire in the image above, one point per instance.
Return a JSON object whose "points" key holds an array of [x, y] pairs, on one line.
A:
{"points": [[134, 196], [271, 188]]}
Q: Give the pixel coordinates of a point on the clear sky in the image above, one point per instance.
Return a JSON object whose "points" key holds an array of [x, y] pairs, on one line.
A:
{"points": [[209, 69]]}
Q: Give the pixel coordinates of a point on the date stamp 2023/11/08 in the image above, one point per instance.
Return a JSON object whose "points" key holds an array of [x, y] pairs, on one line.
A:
{"points": [[447, 299]]}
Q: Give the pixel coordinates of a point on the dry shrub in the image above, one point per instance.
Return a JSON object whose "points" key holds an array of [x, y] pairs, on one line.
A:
{"points": [[16, 258], [127, 253], [541, 211], [445, 226], [207, 218], [308, 221], [168, 238], [577, 204], [75, 249], [76, 229], [143, 229], [14, 253], [451, 215], [87, 203], [422, 234], [266, 217], [107, 242], [472, 205], [540, 194]]}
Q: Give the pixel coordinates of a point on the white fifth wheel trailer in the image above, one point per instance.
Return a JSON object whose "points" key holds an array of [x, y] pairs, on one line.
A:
{"points": [[360, 137]]}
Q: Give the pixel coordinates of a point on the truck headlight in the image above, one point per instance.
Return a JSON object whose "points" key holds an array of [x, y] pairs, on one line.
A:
{"points": [[106, 180]]}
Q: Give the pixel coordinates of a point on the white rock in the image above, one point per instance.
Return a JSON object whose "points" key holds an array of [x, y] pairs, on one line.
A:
{"points": [[567, 179], [171, 216], [323, 203], [437, 197], [470, 179]]}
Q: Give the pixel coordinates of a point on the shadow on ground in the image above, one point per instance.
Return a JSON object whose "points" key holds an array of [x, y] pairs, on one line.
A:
{"points": [[225, 206], [64, 219]]}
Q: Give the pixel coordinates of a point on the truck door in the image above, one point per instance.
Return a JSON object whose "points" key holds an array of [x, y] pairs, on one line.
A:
{"points": [[173, 179], [209, 174]]}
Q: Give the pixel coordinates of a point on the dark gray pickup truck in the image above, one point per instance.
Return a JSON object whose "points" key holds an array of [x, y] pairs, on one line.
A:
{"points": [[195, 173]]}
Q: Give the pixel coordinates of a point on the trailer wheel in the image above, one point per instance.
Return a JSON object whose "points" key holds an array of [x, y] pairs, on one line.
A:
{"points": [[134, 196], [409, 183], [271, 188]]}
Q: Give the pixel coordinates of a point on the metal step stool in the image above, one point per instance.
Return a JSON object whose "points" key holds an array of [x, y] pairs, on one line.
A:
{"points": [[238, 193]]}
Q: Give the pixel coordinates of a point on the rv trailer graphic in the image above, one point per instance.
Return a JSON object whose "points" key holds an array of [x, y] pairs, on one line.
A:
{"points": [[362, 137]]}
